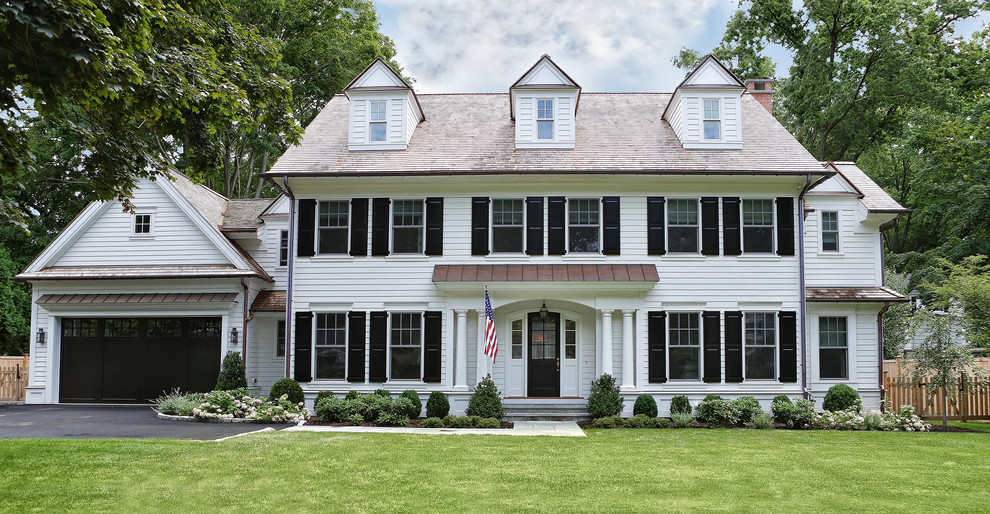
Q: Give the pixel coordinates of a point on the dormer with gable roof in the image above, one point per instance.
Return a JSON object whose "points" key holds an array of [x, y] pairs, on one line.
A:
{"points": [[384, 110], [543, 103], [705, 110]]}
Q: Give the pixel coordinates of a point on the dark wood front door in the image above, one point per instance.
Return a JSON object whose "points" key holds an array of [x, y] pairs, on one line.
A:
{"points": [[544, 355]]}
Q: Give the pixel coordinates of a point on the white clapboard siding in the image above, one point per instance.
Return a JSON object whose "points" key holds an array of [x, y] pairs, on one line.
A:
{"points": [[265, 366], [858, 257]]}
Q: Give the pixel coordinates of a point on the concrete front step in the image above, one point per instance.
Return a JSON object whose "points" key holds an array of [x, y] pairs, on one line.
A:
{"points": [[561, 409]]}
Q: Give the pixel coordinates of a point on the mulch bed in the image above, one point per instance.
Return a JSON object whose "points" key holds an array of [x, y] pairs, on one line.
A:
{"points": [[413, 423], [940, 428]]}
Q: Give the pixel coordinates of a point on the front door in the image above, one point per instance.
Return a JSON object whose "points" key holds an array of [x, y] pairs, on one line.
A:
{"points": [[544, 355]]}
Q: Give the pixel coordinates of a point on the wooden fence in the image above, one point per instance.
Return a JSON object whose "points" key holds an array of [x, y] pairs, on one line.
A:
{"points": [[928, 403], [13, 378]]}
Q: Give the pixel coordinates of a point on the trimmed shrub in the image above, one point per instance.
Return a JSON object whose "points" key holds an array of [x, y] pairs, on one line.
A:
{"points": [[432, 423], [437, 405], [637, 421], [352, 395], [338, 409], [290, 388], [797, 415], [604, 400], [761, 421], [608, 422], [392, 419], [716, 412], [645, 404], [384, 393], [681, 419], [658, 423], [232, 374], [461, 422], [680, 404], [781, 398], [748, 407], [321, 395], [781, 407], [417, 405], [448, 420], [840, 397], [355, 419], [486, 400], [488, 423]]}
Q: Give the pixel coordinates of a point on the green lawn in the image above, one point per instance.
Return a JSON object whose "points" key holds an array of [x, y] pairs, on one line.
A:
{"points": [[610, 470]]}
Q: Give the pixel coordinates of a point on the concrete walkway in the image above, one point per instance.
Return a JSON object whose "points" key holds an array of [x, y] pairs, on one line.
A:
{"points": [[549, 428]]}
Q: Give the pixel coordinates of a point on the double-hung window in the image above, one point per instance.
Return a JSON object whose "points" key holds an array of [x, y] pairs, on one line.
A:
{"points": [[507, 225], [331, 345], [283, 248], [830, 231], [544, 119], [333, 227], [280, 338], [757, 226], [832, 347], [407, 345], [713, 120], [142, 224], [583, 225], [682, 230], [761, 342], [378, 122], [685, 345], [407, 226]]}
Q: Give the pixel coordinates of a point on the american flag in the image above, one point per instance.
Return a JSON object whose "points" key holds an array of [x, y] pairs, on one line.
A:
{"points": [[491, 340]]}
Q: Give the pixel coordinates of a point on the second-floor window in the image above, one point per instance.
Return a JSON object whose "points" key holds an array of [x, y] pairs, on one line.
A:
{"points": [[378, 122], [713, 120], [283, 248], [332, 227], [757, 226], [830, 231], [682, 230], [544, 119], [407, 226], [507, 225], [583, 225]]}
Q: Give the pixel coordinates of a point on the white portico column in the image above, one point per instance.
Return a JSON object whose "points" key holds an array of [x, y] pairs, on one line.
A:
{"points": [[628, 376], [479, 349], [606, 356], [460, 350]]}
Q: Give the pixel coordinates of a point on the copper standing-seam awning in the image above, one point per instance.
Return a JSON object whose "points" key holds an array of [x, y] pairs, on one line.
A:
{"points": [[62, 299], [635, 273], [269, 301], [853, 294]]}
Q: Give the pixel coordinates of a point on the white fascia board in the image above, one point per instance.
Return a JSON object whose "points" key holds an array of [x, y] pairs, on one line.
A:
{"points": [[68, 237], [212, 233]]}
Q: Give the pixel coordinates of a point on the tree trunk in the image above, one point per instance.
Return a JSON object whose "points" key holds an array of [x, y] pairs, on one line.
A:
{"points": [[945, 401]]}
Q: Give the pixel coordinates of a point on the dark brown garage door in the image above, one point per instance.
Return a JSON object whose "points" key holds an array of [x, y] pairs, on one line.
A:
{"points": [[128, 360]]}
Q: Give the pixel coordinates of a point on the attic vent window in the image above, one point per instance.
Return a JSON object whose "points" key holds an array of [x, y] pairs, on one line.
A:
{"points": [[378, 122], [544, 119], [142, 224], [713, 120]]}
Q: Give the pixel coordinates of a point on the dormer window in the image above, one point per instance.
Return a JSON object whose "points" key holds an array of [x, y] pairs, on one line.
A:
{"points": [[712, 120], [544, 119], [378, 124]]}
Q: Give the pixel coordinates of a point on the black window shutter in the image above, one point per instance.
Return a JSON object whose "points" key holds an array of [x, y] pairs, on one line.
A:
{"points": [[657, 346], [785, 225], [534, 225], [432, 331], [357, 330], [359, 227], [434, 226], [304, 347], [788, 346], [556, 219], [733, 346], [713, 347], [731, 235], [709, 225], [479, 225], [379, 226], [378, 344], [656, 232], [306, 244], [610, 224]]}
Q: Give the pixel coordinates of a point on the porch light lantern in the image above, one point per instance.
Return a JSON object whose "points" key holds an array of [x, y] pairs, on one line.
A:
{"points": [[233, 335], [41, 336], [544, 312]]}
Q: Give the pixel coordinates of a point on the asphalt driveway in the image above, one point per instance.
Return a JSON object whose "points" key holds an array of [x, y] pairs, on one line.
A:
{"points": [[108, 422]]}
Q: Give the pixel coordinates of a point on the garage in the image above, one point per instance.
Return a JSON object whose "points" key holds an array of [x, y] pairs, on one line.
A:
{"points": [[133, 360]]}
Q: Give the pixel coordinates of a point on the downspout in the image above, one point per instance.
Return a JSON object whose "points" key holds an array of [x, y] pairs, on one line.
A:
{"points": [[886, 305], [244, 326], [804, 303], [289, 272]]}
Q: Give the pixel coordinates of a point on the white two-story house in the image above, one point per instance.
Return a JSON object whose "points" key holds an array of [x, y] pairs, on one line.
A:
{"points": [[683, 242]]}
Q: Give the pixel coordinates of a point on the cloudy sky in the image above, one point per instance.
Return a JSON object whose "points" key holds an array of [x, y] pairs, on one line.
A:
{"points": [[605, 45]]}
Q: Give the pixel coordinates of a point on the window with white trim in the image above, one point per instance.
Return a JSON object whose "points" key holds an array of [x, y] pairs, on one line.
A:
{"points": [[833, 347], [761, 345], [712, 122], [332, 226], [331, 345], [517, 339], [583, 225], [757, 226], [406, 346], [407, 226], [507, 225], [830, 231], [280, 338], [378, 122], [570, 339], [142, 224], [544, 119], [283, 248], [682, 225], [684, 342]]}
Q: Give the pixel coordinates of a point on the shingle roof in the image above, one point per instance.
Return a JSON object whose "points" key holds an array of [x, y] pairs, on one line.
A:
{"points": [[853, 294], [208, 202], [132, 272], [244, 214], [874, 197], [545, 273], [137, 298], [269, 301], [615, 132]]}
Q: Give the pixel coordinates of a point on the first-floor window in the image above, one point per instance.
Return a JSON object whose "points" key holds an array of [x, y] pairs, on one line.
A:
{"points": [[407, 226], [757, 226], [407, 345], [583, 224], [331, 345], [280, 338], [833, 347], [517, 339], [761, 344], [685, 345], [570, 339]]}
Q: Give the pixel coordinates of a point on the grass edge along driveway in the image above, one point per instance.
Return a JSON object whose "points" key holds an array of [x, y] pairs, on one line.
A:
{"points": [[617, 470]]}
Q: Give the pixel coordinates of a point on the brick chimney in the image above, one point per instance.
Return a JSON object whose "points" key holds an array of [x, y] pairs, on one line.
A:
{"points": [[762, 91]]}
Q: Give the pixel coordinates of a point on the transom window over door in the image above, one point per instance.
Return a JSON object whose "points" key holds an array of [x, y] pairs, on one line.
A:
{"points": [[761, 344], [683, 225], [830, 231], [333, 227], [544, 119], [685, 346], [407, 345], [331, 341], [833, 347], [507, 225], [757, 226], [378, 126], [407, 226], [583, 225], [713, 120]]}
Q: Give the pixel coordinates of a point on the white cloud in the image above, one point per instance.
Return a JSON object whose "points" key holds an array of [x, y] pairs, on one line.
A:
{"points": [[610, 45]]}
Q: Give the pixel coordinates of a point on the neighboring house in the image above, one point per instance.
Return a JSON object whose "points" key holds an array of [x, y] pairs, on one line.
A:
{"points": [[686, 243]]}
